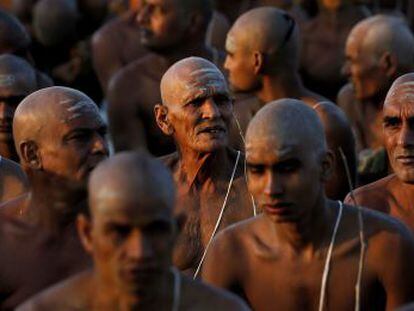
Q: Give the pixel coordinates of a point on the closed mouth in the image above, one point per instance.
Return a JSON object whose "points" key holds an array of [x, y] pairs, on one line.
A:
{"points": [[213, 130]]}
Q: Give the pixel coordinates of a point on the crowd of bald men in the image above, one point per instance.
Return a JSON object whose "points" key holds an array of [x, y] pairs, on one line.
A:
{"points": [[206, 155]]}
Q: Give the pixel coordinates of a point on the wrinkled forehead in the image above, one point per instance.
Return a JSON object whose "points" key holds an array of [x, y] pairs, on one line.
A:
{"points": [[76, 108], [197, 83], [400, 98], [16, 83]]}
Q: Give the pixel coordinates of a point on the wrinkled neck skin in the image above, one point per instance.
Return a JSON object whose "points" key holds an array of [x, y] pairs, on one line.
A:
{"points": [[288, 85], [197, 168], [108, 296], [8, 151], [311, 234]]}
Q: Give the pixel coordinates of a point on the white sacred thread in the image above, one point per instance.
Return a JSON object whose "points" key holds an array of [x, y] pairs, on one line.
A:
{"points": [[177, 290], [220, 217]]}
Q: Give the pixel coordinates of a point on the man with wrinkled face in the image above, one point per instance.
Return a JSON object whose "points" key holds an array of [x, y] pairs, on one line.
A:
{"points": [[171, 30], [130, 233], [196, 111], [293, 255], [60, 138], [394, 194]]}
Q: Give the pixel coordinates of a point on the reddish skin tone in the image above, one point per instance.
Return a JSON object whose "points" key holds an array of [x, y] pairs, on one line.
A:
{"points": [[203, 165], [108, 58], [59, 135], [173, 36], [278, 257], [130, 235], [394, 194], [323, 44], [250, 67]]}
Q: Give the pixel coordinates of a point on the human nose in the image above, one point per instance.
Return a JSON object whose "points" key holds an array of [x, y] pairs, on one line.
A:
{"points": [[406, 136], [138, 247], [273, 185], [210, 109], [100, 145], [227, 63], [346, 69]]}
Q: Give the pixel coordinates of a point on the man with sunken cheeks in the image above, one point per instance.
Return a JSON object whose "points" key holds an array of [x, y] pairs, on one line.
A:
{"points": [[394, 194], [196, 111], [306, 252]]}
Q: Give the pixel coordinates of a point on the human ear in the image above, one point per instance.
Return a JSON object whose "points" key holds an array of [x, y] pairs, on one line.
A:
{"points": [[30, 154], [84, 228], [161, 117], [389, 64], [327, 165], [258, 64]]}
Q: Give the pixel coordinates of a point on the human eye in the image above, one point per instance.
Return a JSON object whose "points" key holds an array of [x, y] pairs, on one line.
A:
{"points": [[222, 100], [79, 135], [391, 122], [255, 169], [288, 166]]}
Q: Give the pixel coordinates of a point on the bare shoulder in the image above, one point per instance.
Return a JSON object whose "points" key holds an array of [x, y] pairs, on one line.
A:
{"points": [[374, 195], [68, 295], [13, 180], [199, 296], [170, 160], [409, 307]]}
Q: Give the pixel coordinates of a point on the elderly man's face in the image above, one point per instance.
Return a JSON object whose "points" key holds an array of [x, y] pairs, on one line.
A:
{"points": [[284, 176], [363, 69], [398, 124], [239, 64], [72, 145], [162, 23], [201, 112], [13, 89], [131, 241]]}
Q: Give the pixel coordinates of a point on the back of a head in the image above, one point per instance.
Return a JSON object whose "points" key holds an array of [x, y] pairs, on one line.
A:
{"points": [[16, 72], [287, 120], [380, 34], [134, 177], [13, 36], [54, 21], [204, 7], [271, 31]]}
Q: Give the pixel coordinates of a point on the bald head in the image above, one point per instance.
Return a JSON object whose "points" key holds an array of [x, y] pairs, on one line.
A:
{"points": [[401, 91], [17, 76], [13, 36], [191, 78], [285, 122], [40, 112], [131, 177], [54, 21], [267, 30], [385, 34]]}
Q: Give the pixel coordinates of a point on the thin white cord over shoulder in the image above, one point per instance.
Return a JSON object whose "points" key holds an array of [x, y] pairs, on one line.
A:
{"points": [[177, 290], [220, 217]]}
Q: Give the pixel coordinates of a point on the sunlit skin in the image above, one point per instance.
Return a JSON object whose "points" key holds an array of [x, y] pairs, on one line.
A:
{"points": [[172, 30], [262, 57], [196, 112], [59, 136], [378, 50], [394, 194], [130, 234], [277, 258]]}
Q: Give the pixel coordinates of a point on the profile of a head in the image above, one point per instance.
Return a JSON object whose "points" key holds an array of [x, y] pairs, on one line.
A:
{"points": [[59, 130], [262, 41], [378, 50], [287, 159], [196, 107], [130, 229]]}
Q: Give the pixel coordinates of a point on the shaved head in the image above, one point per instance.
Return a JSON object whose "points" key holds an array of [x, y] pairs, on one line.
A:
{"points": [[191, 78], [16, 75], [267, 30], [284, 121], [135, 177], [401, 91], [382, 33], [55, 21], [38, 113], [13, 36]]}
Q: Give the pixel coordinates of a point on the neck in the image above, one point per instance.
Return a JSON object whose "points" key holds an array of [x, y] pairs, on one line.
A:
{"points": [[196, 168], [108, 296], [307, 235], [8, 151], [287, 85]]}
